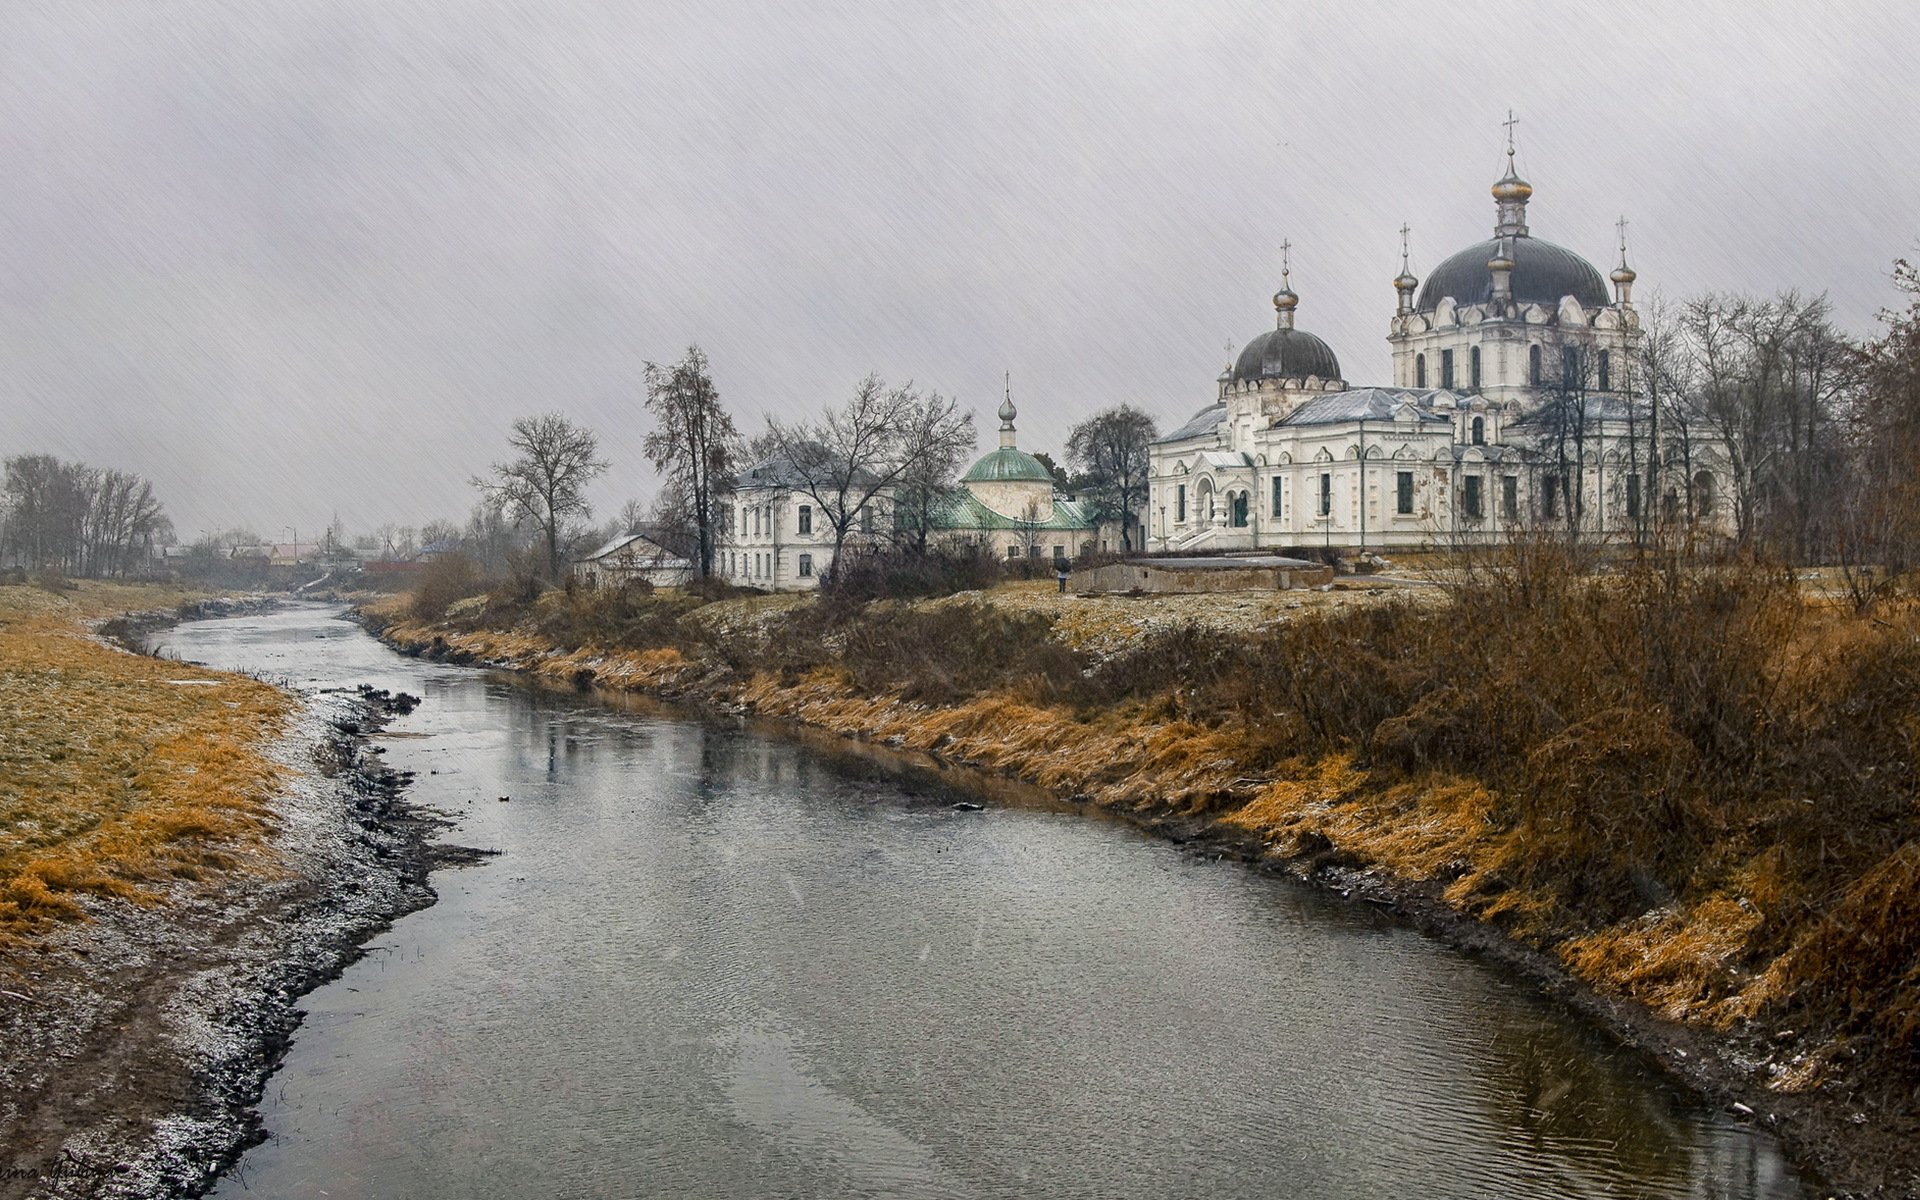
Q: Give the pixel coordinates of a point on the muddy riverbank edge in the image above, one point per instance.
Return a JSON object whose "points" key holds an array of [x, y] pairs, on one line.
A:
{"points": [[140, 1040], [1839, 1150]]}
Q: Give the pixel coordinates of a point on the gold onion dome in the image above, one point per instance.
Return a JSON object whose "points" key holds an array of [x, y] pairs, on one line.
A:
{"points": [[1511, 188], [1623, 274], [1405, 281], [1500, 262], [1285, 300]]}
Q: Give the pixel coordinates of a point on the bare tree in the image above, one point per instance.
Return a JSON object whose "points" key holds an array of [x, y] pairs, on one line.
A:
{"points": [[1769, 376], [1563, 424], [546, 483], [1111, 449], [935, 440], [633, 515], [82, 520], [860, 451], [1877, 533], [694, 445]]}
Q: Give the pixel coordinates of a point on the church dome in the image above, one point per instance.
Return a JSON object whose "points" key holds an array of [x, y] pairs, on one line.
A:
{"points": [[1542, 273], [1008, 465], [1285, 354]]}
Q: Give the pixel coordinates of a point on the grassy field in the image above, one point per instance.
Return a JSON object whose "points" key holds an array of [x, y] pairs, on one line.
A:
{"points": [[118, 773]]}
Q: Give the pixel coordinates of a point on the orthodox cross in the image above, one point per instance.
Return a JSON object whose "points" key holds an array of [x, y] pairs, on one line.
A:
{"points": [[1286, 259], [1510, 122], [1621, 225], [1404, 231]]}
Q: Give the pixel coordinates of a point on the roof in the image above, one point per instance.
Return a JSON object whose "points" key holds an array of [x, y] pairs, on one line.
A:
{"points": [[778, 471], [961, 510], [1542, 274], [1008, 465], [1225, 458], [774, 472], [638, 546], [1286, 354], [1598, 408], [1370, 404], [1201, 424]]}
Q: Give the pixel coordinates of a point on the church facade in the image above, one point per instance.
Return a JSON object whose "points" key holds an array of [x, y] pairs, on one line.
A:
{"points": [[1514, 407], [1006, 504]]}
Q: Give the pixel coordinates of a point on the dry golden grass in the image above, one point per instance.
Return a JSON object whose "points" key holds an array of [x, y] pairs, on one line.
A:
{"points": [[1693, 786], [118, 772]]}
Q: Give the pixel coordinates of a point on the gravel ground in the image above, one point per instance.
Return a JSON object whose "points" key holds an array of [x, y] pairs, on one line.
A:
{"points": [[137, 1042]]}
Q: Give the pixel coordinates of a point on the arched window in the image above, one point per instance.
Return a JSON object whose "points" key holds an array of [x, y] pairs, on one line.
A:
{"points": [[1606, 370], [1419, 370], [1473, 369], [1703, 494], [1446, 369], [1479, 431], [1239, 510], [1569, 367], [1533, 365]]}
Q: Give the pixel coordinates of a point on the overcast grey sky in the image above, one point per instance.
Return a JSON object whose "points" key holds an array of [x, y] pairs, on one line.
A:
{"points": [[296, 257]]}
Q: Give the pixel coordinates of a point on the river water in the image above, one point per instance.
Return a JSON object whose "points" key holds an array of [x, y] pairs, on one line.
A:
{"points": [[712, 962]]}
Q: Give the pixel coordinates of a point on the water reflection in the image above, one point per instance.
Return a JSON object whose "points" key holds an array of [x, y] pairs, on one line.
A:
{"points": [[711, 962]]}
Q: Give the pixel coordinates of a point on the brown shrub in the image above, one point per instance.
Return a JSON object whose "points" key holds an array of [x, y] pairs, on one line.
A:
{"points": [[446, 579], [955, 651]]}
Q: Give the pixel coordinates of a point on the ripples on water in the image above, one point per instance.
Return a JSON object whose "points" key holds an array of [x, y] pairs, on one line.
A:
{"points": [[711, 962]]}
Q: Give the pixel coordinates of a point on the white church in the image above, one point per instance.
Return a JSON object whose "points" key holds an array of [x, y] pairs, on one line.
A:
{"points": [[1512, 408]]}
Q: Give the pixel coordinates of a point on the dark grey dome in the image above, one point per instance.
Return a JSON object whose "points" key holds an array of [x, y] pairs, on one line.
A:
{"points": [[1285, 354], [1542, 273]]}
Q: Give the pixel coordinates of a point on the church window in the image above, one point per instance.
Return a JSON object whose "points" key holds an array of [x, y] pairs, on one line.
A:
{"points": [[1276, 495], [1420, 370], [1510, 497], [1403, 493], [1180, 503], [1533, 365], [806, 518], [1479, 431], [1550, 497], [1606, 370], [1238, 510], [806, 566], [1033, 551], [1473, 368], [1446, 369], [866, 519], [1633, 497], [1060, 553], [1013, 552], [1703, 494], [1569, 367], [1326, 495], [1471, 501]]}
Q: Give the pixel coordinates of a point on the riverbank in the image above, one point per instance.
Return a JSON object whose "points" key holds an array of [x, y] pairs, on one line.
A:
{"points": [[184, 853], [1711, 967]]}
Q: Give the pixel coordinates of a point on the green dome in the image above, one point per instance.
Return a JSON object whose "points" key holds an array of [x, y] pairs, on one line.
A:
{"points": [[1008, 465]]}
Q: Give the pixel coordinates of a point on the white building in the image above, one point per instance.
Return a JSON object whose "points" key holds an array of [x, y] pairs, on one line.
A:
{"points": [[630, 557], [1006, 503], [778, 538], [1513, 406]]}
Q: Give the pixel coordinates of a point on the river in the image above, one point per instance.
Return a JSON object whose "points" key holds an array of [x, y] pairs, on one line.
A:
{"points": [[710, 961]]}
